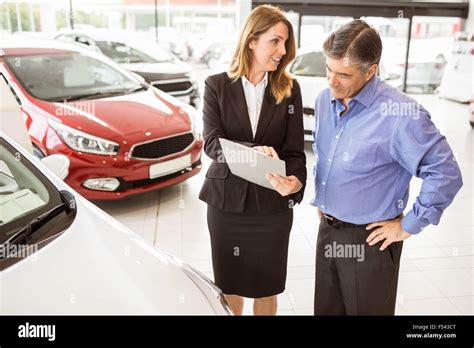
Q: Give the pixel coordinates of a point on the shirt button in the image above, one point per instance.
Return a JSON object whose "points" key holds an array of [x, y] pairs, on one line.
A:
{"points": [[330, 160], [337, 136], [324, 183], [322, 206]]}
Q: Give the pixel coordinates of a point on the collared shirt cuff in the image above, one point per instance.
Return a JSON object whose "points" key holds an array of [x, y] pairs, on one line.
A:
{"points": [[412, 224]]}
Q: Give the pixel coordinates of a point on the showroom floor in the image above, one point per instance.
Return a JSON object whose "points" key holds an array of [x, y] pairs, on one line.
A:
{"points": [[437, 270]]}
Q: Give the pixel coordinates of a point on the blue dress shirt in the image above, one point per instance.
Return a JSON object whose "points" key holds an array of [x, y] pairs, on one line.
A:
{"points": [[366, 158]]}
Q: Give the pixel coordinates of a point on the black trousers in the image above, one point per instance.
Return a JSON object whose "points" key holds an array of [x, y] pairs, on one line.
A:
{"points": [[352, 277]]}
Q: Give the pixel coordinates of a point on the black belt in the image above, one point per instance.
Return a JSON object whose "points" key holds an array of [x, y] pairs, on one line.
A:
{"points": [[331, 220]]}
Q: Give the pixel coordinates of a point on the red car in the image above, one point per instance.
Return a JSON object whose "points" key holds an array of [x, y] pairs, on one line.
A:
{"points": [[121, 135]]}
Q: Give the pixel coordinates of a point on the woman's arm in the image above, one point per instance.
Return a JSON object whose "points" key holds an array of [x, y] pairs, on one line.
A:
{"points": [[292, 152], [293, 144]]}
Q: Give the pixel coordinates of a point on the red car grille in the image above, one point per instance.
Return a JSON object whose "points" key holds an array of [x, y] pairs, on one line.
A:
{"points": [[163, 147]]}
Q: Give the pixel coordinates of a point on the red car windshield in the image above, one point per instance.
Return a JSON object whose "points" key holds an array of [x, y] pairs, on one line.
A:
{"points": [[61, 77]]}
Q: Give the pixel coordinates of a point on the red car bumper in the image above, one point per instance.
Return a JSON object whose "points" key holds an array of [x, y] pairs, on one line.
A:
{"points": [[133, 175]]}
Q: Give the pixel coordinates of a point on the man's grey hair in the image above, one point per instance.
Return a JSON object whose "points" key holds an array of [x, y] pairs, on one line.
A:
{"points": [[357, 42]]}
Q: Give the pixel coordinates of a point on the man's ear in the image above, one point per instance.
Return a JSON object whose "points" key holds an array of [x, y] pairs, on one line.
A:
{"points": [[372, 70]]}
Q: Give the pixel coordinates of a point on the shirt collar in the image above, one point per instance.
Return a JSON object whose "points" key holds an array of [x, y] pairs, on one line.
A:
{"points": [[264, 80], [366, 94]]}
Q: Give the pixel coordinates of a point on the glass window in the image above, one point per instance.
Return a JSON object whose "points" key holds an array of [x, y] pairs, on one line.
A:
{"points": [[315, 29], [21, 193], [58, 77], [394, 35], [432, 42], [32, 210]]}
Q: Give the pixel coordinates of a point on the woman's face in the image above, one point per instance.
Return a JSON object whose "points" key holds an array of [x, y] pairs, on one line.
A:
{"points": [[269, 48]]}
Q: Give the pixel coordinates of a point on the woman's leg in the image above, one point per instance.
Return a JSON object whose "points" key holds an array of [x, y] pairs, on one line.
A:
{"points": [[265, 305], [236, 303]]}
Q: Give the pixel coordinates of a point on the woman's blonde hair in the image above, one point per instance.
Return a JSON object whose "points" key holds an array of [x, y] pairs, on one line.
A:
{"points": [[259, 21]]}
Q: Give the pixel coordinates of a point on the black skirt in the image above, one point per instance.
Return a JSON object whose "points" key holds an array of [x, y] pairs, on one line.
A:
{"points": [[249, 251]]}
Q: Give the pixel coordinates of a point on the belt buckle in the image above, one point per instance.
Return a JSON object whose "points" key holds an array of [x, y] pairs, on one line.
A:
{"points": [[329, 219]]}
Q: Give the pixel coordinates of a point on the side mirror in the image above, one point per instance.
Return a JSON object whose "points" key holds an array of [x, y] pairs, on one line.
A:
{"points": [[58, 164]]}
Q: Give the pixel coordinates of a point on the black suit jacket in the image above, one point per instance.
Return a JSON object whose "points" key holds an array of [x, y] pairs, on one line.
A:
{"points": [[225, 115]]}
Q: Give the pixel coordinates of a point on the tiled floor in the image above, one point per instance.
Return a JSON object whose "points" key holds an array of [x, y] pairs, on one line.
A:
{"points": [[437, 269]]}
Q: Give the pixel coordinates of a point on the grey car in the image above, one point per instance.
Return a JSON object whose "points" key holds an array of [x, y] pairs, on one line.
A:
{"points": [[153, 63]]}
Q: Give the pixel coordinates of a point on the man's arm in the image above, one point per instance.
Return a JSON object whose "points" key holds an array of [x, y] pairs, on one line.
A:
{"points": [[420, 148]]}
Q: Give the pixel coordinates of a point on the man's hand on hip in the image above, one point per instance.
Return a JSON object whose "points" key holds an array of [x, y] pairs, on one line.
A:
{"points": [[389, 231]]}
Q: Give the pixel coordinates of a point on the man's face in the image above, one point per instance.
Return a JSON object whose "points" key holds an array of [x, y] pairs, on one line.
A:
{"points": [[345, 78]]}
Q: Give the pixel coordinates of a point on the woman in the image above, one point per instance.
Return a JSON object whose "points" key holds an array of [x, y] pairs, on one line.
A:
{"points": [[258, 104]]}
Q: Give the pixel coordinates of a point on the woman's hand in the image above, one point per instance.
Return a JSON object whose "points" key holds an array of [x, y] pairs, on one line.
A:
{"points": [[284, 185], [267, 150]]}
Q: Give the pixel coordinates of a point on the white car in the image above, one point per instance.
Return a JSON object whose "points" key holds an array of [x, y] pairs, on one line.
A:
{"points": [[60, 254], [309, 67], [459, 73]]}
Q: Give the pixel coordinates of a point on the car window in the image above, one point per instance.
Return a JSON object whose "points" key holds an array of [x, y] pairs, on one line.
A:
{"points": [[158, 52], [21, 193], [122, 53], [33, 212], [56, 77], [310, 64]]}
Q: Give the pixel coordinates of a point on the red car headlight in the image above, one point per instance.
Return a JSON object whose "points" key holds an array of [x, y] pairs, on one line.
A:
{"points": [[83, 142]]}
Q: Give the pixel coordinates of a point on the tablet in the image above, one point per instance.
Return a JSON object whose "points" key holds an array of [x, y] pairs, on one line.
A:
{"points": [[251, 164]]}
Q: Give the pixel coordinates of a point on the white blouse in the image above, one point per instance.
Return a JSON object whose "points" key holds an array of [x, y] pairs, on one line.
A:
{"points": [[254, 98]]}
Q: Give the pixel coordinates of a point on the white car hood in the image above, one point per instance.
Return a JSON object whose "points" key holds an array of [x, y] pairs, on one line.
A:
{"points": [[98, 266]]}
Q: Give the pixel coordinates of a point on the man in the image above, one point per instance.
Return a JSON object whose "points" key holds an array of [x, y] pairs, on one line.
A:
{"points": [[370, 140]]}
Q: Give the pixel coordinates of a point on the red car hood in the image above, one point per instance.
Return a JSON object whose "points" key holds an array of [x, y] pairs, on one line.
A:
{"points": [[132, 117]]}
